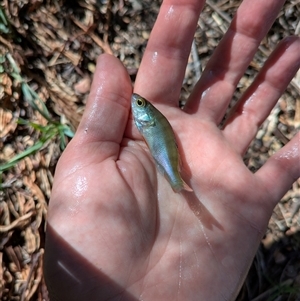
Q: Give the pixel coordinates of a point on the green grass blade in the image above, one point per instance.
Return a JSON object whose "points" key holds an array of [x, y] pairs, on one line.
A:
{"points": [[30, 150]]}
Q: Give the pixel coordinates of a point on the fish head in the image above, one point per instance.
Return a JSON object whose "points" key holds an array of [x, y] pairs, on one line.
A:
{"points": [[141, 111]]}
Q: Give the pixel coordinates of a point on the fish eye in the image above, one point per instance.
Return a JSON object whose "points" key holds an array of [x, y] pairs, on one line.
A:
{"points": [[140, 102]]}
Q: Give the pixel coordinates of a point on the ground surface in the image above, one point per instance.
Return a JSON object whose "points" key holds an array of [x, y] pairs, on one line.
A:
{"points": [[48, 51]]}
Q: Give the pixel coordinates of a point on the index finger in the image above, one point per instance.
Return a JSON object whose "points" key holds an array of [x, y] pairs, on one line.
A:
{"points": [[164, 62]]}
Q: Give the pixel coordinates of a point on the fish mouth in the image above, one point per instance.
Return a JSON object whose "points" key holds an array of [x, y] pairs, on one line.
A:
{"points": [[134, 97], [133, 100]]}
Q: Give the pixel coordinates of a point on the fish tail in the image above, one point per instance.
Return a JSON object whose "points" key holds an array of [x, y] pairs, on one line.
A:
{"points": [[186, 187], [178, 187]]}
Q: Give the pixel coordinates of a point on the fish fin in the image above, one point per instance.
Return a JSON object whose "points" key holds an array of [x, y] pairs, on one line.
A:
{"points": [[186, 187], [182, 186], [179, 161], [161, 170], [146, 123]]}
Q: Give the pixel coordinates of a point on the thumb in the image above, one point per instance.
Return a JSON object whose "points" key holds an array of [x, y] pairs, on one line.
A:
{"points": [[102, 126], [107, 109]]}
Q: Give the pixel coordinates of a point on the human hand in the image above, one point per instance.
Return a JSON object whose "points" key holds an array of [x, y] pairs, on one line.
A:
{"points": [[116, 230]]}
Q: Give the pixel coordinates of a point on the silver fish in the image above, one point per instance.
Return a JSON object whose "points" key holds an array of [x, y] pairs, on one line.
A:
{"points": [[159, 136]]}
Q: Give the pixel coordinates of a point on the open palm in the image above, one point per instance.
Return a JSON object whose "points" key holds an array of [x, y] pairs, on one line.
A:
{"points": [[116, 230]]}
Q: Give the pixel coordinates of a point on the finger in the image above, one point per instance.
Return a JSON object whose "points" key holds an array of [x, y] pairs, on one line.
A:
{"points": [[107, 110], [231, 58], [281, 170], [164, 62], [260, 98]]}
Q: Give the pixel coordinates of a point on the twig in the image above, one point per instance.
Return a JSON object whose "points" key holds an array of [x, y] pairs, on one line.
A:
{"points": [[96, 39], [272, 290], [15, 223], [36, 261], [196, 61]]}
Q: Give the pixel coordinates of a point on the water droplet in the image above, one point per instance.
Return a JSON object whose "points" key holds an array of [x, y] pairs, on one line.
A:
{"points": [[154, 57], [170, 13]]}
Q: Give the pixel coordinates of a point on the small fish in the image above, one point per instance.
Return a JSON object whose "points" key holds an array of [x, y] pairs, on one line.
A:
{"points": [[160, 138]]}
